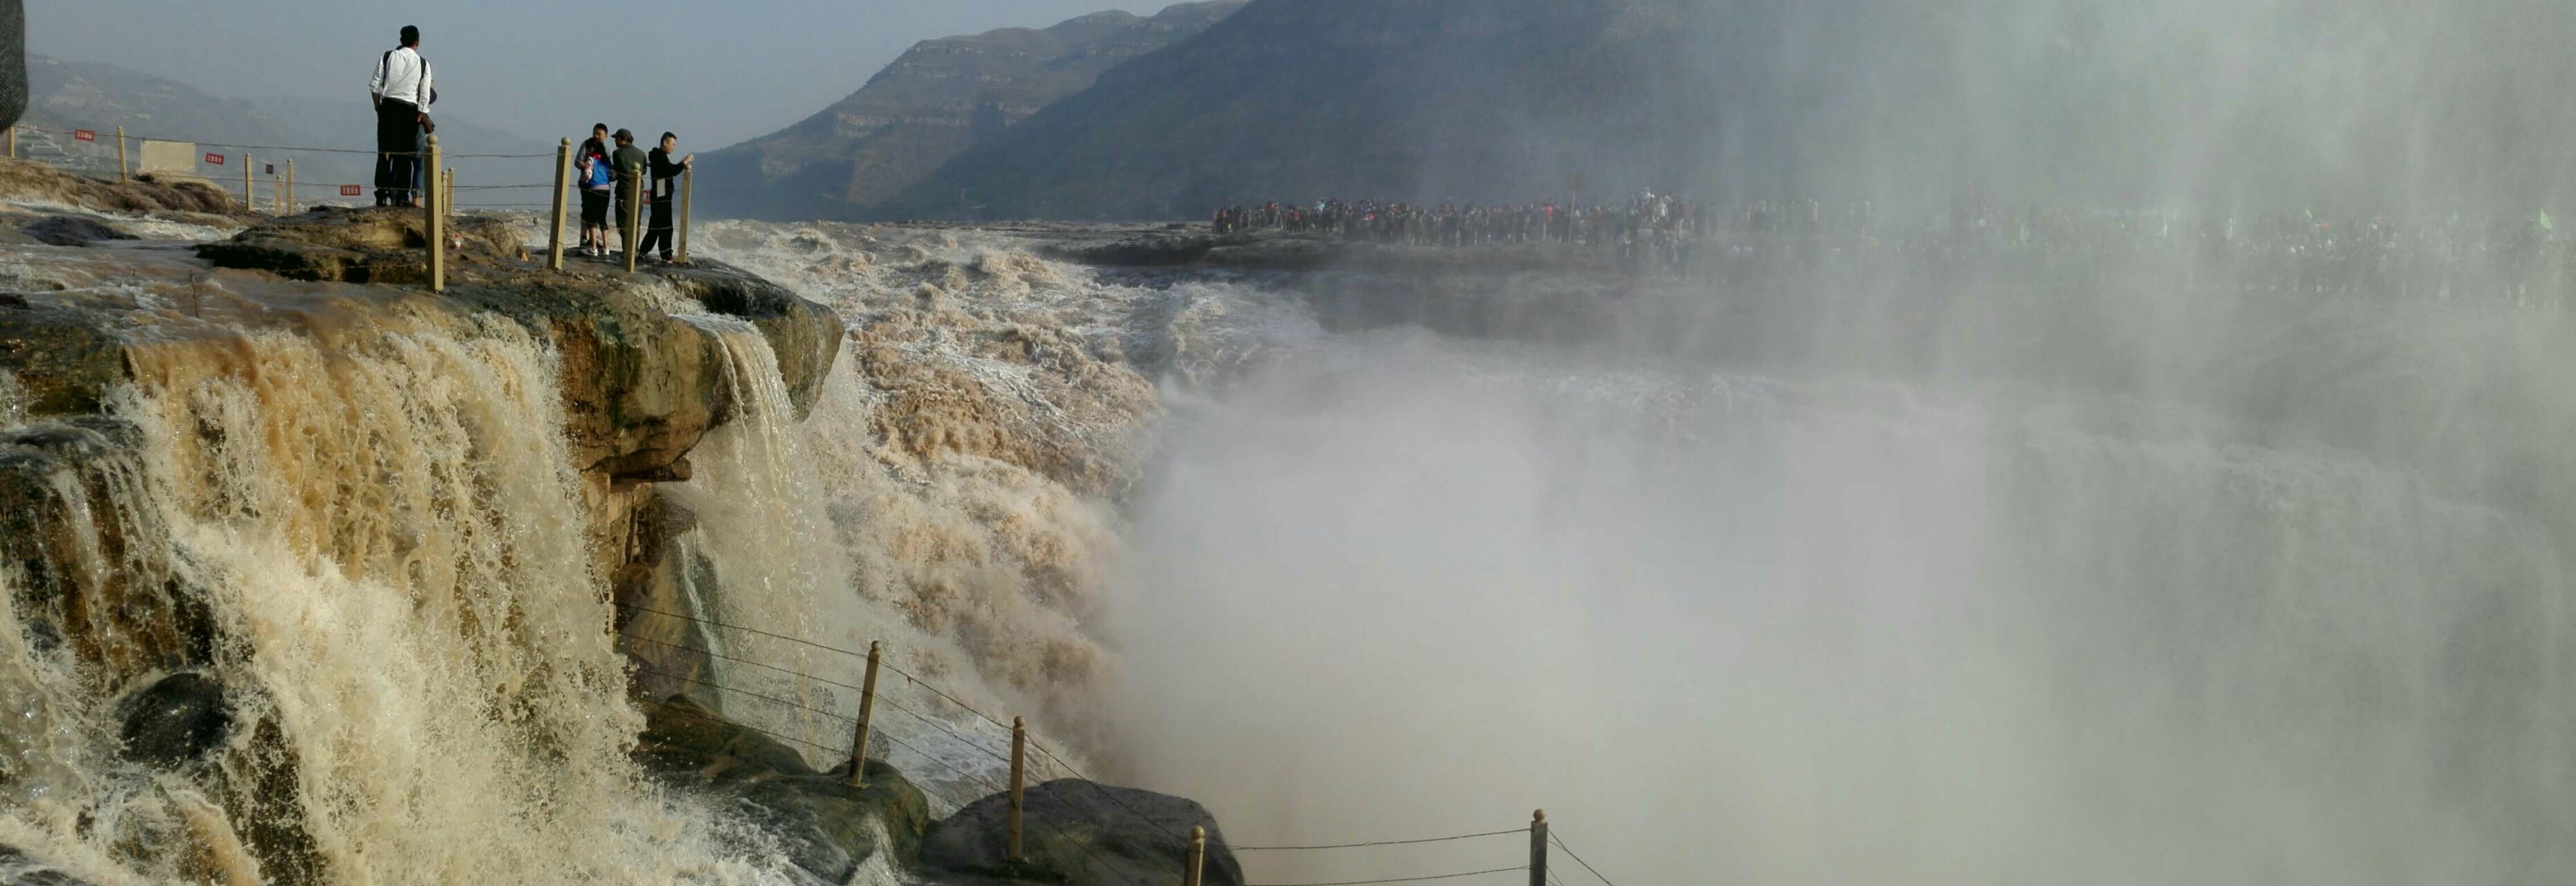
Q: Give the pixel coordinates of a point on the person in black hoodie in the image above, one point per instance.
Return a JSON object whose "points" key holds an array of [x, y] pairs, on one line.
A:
{"points": [[666, 175]]}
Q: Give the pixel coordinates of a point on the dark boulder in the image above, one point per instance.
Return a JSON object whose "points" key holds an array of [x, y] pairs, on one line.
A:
{"points": [[1078, 833], [175, 720], [824, 824], [71, 230]]}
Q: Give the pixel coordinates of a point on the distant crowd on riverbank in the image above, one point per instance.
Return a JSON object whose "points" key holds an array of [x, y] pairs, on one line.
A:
{"points": [[2521, 253], [1652, 226]]}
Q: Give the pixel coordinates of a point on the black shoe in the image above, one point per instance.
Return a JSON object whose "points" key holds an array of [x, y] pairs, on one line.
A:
{"points": [[383, 202]]}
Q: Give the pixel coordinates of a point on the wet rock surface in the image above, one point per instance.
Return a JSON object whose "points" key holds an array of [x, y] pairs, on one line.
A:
{"points": [[827, 827], [175, 720], [1077, 833], [57, 479], [65, 359], [18, 868], [650, 591], [640, 386], [69, 230], [805, 335], [369, 245]]}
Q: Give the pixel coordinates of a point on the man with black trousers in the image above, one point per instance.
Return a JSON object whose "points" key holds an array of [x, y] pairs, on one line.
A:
{"points": [[631, 168], [400, 88], [666, 178]]}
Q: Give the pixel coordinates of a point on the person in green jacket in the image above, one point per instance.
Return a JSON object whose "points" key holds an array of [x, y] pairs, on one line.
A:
{"points": [[630, 162]]}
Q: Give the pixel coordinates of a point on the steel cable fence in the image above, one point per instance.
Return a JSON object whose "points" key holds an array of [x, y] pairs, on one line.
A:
{"points": [[981, 745]]}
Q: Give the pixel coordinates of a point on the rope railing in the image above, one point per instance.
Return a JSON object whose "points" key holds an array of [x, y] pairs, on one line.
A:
{"points": [[140, 136], [436, 190], [1559, 842], [729, 690], [740, 660], [1376, 842], [1542, 836], [1402, 879]]}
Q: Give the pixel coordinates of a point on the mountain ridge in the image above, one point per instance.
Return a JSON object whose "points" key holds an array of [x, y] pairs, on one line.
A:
{"points": [[940, 97]]}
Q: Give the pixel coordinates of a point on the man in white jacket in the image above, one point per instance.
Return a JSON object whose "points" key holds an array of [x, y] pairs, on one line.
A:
{"points": [[400, 88]]}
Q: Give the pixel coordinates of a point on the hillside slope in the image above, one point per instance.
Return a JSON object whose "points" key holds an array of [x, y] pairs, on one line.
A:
{"points": [[937, 99], [1306, 99], [2272, 103]]}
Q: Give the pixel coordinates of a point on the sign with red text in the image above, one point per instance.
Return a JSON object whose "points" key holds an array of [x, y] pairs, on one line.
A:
{"points": [[351, 190], [216, 159], [84, 135]]}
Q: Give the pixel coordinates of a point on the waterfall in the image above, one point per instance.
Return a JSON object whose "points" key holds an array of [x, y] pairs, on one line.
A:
{"points": [[379, 542], [761, 527], [805, 534]]}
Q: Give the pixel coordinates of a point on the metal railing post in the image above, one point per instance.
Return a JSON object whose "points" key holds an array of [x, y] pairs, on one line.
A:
{"points": [[1198, 856], [437, 221], [554, 237], [685, 177], [1019, 774], [1538, 848], [867, 706]]}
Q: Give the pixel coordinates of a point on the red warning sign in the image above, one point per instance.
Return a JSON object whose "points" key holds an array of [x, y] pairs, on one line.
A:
{"points": [[84, 135], [351, 190], [216, 159]]}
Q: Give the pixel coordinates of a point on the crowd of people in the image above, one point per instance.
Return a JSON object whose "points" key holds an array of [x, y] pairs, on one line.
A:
{"points": [[605, 173], [2302, 251], [609, 168], [1649, 226]]}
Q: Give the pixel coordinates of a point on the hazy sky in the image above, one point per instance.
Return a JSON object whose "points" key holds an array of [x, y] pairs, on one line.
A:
{"points": [[716, 72]]}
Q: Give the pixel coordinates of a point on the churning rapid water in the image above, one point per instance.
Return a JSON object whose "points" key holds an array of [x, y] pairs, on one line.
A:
{"points": [[2236, 591], [1727, 620]]}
